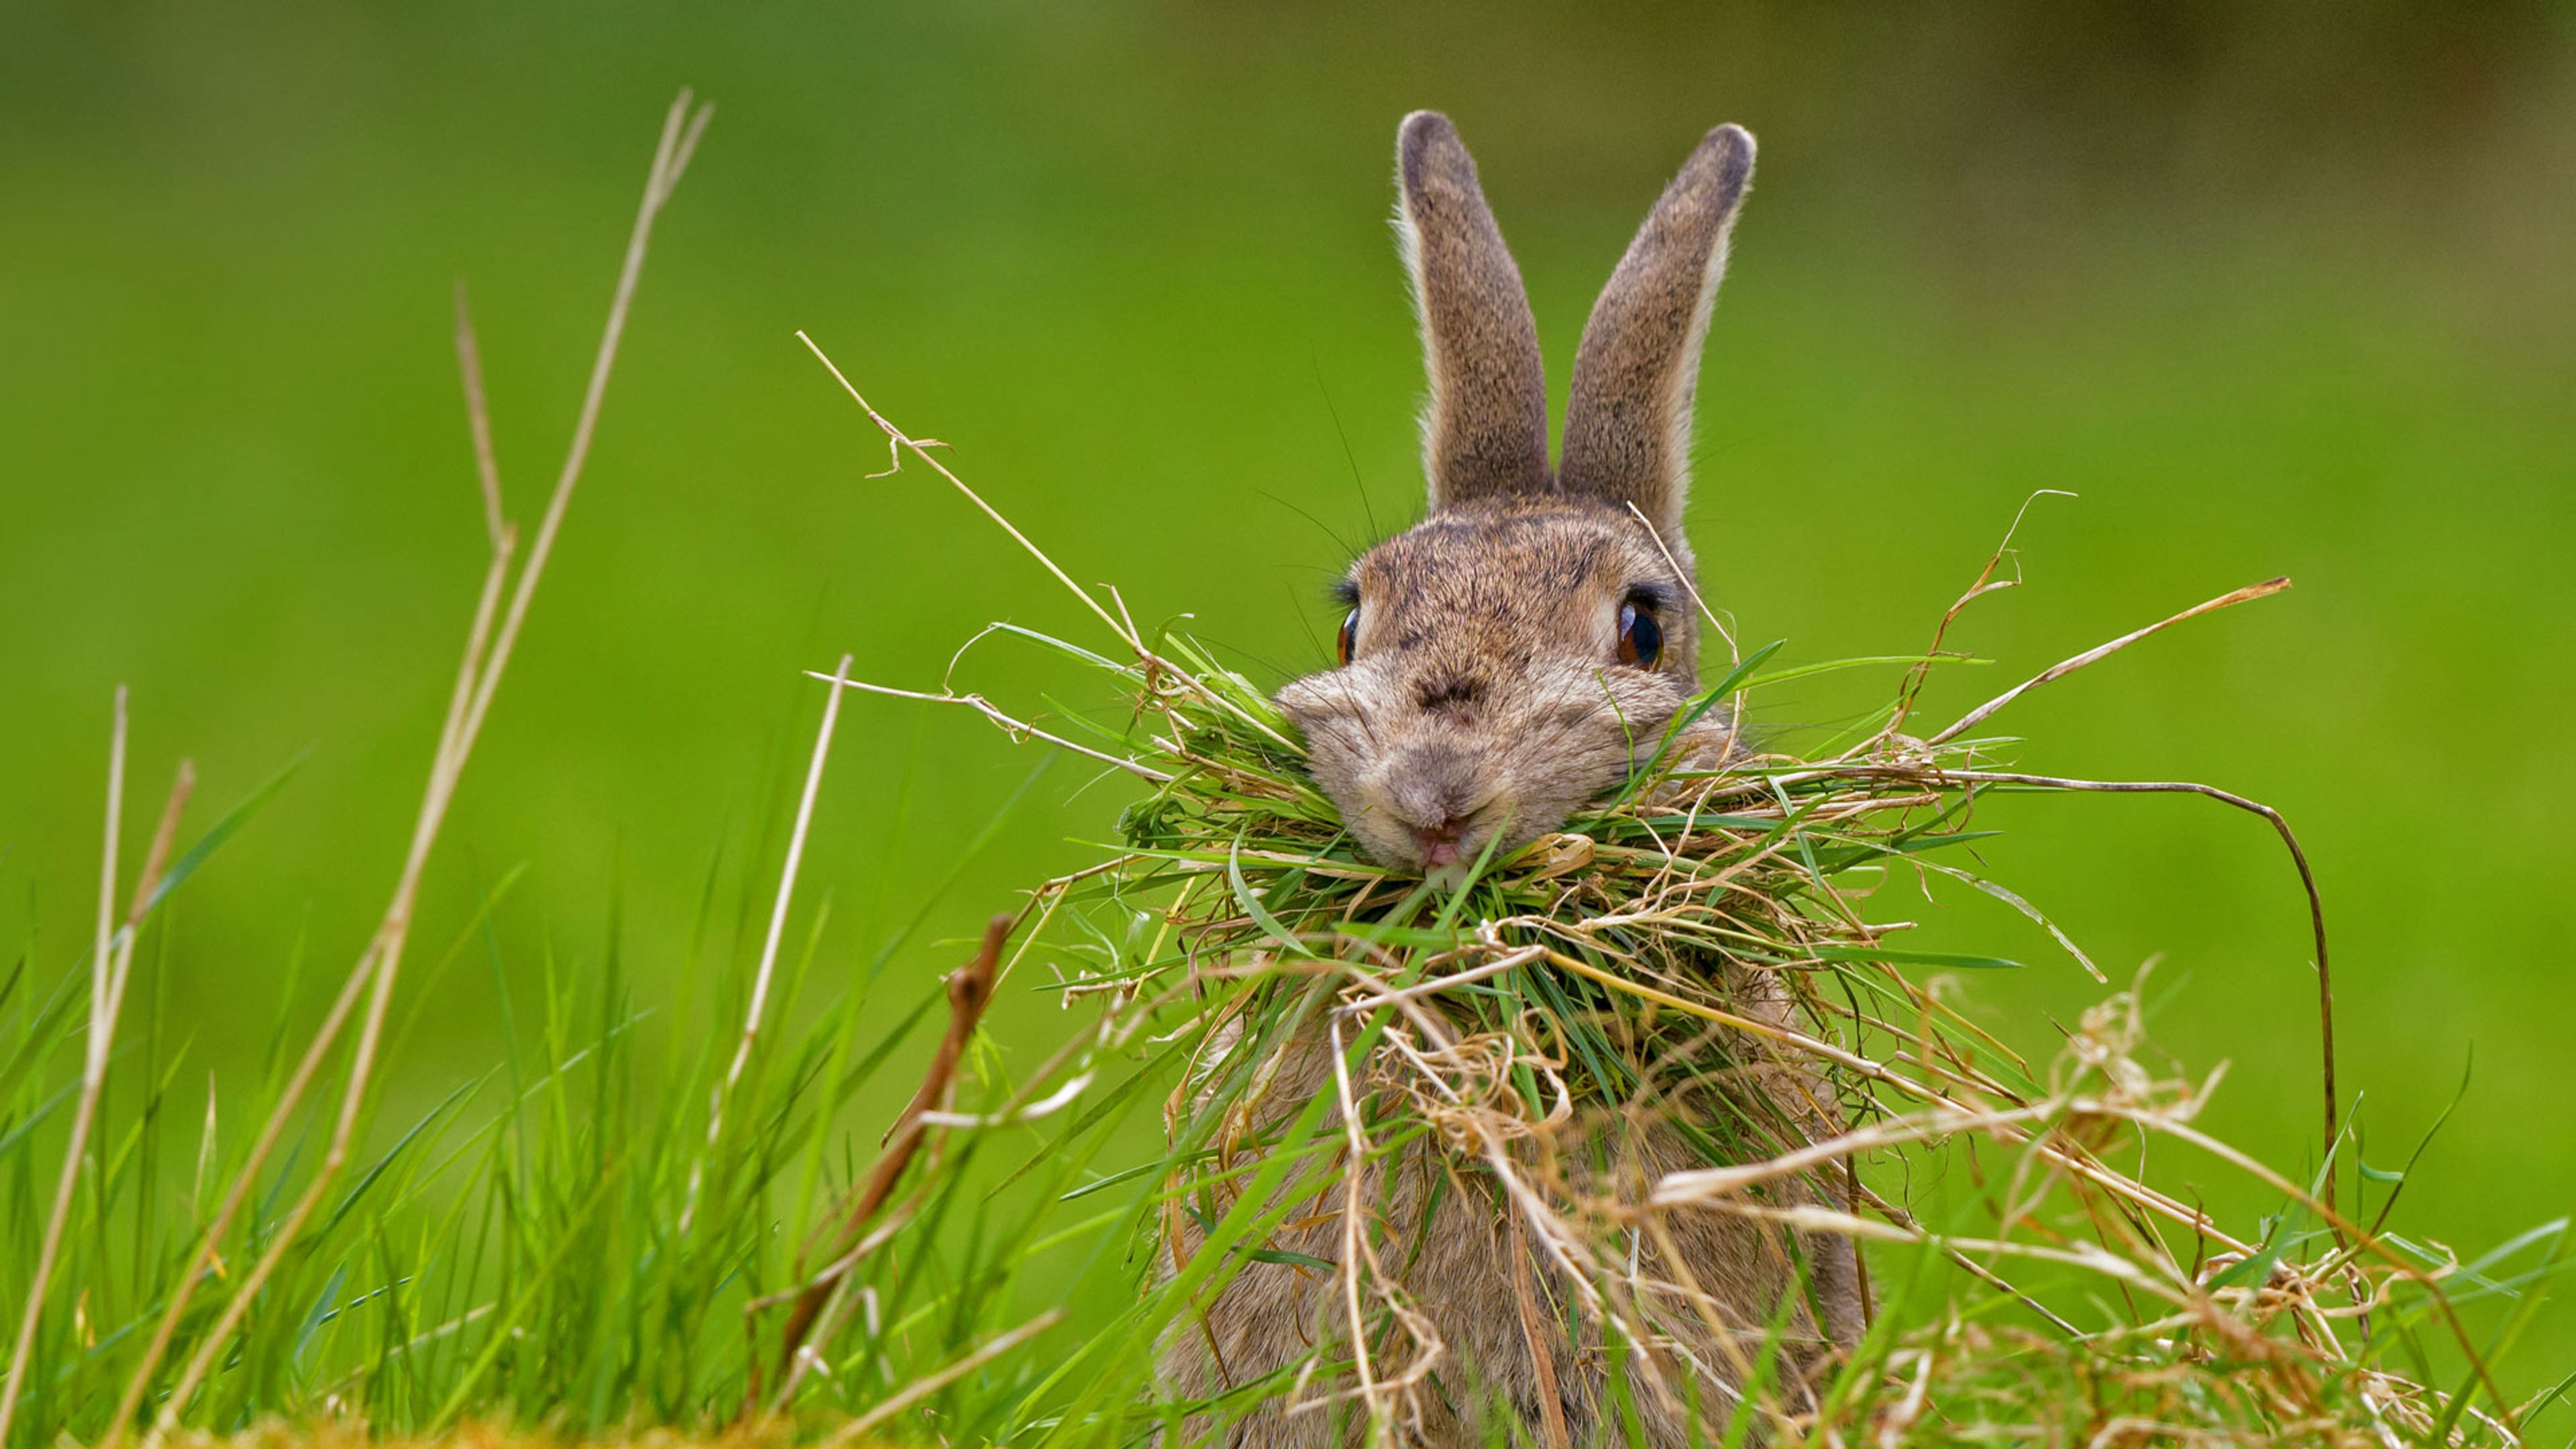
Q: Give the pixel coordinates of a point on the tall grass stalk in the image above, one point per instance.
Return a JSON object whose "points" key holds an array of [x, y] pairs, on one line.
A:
{"points": [[110, 959], [479, 675]]}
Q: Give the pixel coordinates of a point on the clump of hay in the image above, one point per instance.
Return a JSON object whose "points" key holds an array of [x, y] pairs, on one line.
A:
{"points": [[1709, 922]]}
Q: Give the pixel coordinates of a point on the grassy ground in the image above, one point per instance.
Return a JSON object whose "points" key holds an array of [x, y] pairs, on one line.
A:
{"points": [[238, 480]]}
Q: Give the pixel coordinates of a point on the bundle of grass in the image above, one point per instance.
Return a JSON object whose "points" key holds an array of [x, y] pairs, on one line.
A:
{"points": [[1669, 1024]]}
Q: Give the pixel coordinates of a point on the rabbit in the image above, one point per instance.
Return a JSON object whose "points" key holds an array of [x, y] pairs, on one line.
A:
{"points": [[1502, 664]]}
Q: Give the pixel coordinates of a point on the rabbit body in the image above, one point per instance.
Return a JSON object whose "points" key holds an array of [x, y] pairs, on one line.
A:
{"points": [[1506, 662], [1511, 1335]]}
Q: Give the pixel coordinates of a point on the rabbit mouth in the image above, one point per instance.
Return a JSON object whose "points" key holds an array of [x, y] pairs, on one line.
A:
{"points": [[1450, 842], [1446, 855], [1437, 849], [1439, 845]]}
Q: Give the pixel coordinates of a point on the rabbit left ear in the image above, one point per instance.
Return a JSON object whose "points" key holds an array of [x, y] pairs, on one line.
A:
{"points": [[1484, 431], [1628, 415]]}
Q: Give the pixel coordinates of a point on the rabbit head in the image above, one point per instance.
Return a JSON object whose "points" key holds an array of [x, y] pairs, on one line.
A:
{"points": [[1507, 659]]}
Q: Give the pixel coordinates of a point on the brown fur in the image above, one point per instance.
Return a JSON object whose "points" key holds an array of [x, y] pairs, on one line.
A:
{"points": [[1485, 702], [1484, 431], [1628, 413], [1734, 1276]]}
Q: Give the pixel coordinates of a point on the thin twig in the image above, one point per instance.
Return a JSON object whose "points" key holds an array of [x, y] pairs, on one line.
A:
{"points": [[898, 442], [1734, 654], [681, 128], [1354, 1241], [760, 979], [1985, 583], [111, 953], [107, 861], [920, 1389], [2065, 667], [1018, 729], [2298, 858], [970, 990], [1542, 1363], [156, 857], [478, 419]]}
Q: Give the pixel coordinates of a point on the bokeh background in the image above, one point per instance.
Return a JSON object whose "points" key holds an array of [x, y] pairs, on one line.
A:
{"points": [[2276, 290]]}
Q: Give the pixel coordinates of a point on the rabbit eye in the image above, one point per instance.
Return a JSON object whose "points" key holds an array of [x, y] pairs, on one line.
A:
{"points": [[1641, 639], [1349, 637]]}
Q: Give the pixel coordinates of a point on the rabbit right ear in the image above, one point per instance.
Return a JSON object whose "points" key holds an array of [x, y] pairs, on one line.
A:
{"points": [[1484, 432], [1628, 415]]}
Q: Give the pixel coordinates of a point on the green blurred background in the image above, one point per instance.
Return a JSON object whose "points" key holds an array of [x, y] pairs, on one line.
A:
{"points": [[2276, 290]]}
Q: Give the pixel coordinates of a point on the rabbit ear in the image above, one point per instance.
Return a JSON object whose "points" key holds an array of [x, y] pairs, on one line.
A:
{"points": [[1484, 432], [1628, 418]]}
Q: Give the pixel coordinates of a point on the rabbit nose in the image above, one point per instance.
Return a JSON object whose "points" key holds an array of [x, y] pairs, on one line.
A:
{"points": [[1435, 791]]}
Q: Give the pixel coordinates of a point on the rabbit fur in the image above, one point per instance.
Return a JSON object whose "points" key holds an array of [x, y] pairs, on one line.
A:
{"points": [[1486, 695]]}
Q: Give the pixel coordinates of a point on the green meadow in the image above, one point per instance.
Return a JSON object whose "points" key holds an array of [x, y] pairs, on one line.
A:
{"points": [[2270, 292]]}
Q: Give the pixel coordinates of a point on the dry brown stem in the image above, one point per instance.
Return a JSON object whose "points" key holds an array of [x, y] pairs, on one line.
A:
{"points": [[970, 990], [111, 953]]}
